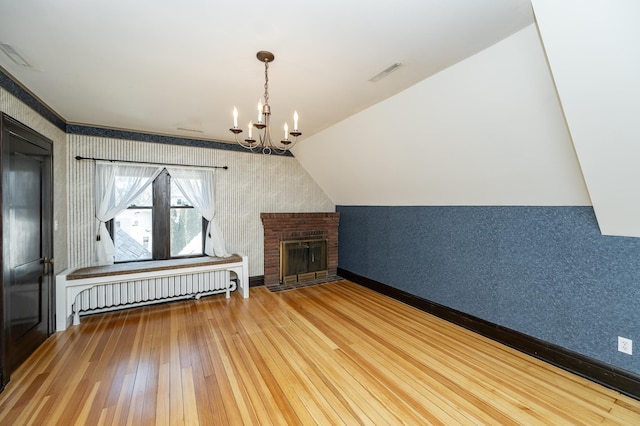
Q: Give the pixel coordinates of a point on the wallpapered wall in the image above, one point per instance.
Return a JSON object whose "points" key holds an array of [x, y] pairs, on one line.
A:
{"points": [[12, 106], [254, 183], [543, 271]]}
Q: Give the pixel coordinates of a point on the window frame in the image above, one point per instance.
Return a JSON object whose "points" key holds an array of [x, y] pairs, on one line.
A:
{"points": [[161, 221]]}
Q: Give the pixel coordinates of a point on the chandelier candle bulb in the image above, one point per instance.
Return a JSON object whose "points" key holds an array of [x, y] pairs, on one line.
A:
{"points": [[250, 126], [286, 131], [235, 117], [259, 111], [295, 121]]}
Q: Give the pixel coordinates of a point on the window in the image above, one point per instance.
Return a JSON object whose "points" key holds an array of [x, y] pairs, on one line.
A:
{"points": [[159, 224], [186, 226]]}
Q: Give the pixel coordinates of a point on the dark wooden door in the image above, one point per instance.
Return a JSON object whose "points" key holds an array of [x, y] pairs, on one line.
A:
{"points": [[26, 252]]}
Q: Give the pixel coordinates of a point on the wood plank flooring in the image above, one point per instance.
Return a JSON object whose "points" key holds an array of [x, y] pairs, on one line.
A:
{"points": [[329, 354]]}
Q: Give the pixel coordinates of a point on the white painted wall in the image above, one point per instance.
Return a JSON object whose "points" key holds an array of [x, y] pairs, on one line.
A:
{"points": [[486, 131], [593, 48]]}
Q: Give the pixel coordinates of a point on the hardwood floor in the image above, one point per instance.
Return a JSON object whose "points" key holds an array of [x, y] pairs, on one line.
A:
{"points": [[328, 354]]}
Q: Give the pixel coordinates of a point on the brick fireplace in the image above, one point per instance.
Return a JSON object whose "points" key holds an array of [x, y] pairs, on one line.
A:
{"points": [[279, 227]]}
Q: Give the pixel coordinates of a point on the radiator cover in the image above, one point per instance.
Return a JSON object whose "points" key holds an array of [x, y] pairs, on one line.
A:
{"points": [[106, 297]]}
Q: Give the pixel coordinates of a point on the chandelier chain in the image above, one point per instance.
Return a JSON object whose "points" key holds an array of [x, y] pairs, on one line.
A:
{"points": [[266, 82]]}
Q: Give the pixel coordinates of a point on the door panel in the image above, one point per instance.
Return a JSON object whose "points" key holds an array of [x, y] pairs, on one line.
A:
{"points": [[28, 322], [27, 319], [26, 217], [26, 294]]}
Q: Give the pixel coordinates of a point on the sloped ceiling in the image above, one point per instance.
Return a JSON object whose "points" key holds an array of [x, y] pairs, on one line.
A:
{"points": [[592, 48], [488, 130], [164, 66]]}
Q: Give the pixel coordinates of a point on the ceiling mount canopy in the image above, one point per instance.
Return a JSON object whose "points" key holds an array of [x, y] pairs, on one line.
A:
{"points": [[263, 126], [264, 56]]}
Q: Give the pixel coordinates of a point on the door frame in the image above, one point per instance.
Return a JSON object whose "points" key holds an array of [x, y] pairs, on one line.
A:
{"points": [[9, 124]]}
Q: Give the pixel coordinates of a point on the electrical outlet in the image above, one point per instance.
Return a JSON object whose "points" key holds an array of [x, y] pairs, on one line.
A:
{"points": [[625, 345]]}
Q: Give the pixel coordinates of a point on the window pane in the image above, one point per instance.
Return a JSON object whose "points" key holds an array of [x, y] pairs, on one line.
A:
{"points": [[132, 229], [177, 198], [186, 232], [145, 199]]}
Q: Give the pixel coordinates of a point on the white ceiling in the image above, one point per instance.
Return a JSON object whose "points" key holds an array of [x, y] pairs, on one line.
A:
{"points": [[159, 65]]}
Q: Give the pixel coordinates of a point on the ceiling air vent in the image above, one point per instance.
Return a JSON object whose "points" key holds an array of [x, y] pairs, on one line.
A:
{"points": [[184, 129], [385, 72]]}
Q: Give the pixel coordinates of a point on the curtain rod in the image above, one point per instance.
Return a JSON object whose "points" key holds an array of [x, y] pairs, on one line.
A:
{"points": [[148, 162]]}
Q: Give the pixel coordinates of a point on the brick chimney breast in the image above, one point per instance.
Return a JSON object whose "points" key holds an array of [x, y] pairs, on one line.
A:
{"points": [[280, 227]]}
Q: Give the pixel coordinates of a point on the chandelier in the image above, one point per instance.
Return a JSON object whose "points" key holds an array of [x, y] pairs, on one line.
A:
{"points": [[263, 126]]}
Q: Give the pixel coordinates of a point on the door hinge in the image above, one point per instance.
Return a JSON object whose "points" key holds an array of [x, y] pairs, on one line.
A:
{"points": [[46, 262]]}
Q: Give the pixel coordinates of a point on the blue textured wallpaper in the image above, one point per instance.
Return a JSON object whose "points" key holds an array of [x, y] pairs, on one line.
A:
{"points": [[543, 271]]}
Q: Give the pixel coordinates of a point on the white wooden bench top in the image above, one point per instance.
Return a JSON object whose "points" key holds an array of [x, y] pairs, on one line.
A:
{"points": [[149, 266]]}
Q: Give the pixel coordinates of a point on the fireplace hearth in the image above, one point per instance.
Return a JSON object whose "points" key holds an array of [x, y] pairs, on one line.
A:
{"points": [[300, 249]]}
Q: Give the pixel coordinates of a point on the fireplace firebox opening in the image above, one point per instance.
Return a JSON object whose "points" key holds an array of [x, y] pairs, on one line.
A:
{"points": [[303, 260]]}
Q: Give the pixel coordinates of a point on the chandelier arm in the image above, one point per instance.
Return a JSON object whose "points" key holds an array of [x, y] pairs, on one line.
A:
{"points": [[244, 144], [260, 143], [266, 139], [286, 148], [267, 134]]}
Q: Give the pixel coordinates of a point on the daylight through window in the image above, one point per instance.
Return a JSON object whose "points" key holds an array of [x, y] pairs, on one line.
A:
{"points": [[159, 224]]}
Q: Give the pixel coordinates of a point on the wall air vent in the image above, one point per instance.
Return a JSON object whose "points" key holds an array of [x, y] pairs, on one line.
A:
{"points": [[385, 72]]}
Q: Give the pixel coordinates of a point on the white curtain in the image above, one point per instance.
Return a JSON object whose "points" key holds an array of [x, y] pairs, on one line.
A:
{"points": [[117, 185], [198, 187]]}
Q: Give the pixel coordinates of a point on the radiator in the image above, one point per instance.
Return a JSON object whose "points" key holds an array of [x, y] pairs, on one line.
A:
{"points": [[112, 296]]}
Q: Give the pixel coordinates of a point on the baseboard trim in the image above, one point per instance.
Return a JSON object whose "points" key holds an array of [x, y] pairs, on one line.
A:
{"points": [[589, 368], [256, 281]]}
